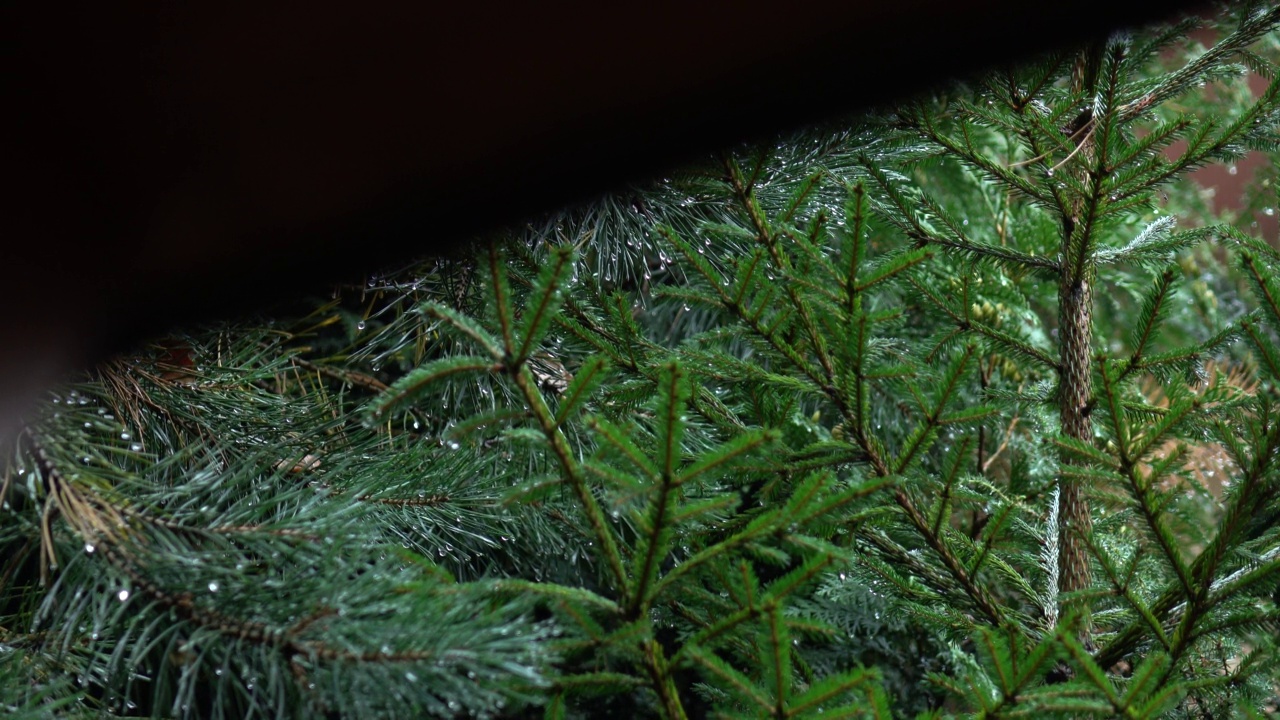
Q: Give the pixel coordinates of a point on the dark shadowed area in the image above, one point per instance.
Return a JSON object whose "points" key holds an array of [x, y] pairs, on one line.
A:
{"points": [[179, 163]]}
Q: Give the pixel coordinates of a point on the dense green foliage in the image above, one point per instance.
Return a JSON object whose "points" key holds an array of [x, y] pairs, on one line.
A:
{"points": [[966, 407]]}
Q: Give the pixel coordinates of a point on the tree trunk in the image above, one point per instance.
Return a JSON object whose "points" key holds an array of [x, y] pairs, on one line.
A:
{"points": [[1075, 303]]}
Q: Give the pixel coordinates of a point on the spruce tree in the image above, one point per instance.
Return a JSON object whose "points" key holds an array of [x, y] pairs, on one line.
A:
{"points": [[965, 407]]}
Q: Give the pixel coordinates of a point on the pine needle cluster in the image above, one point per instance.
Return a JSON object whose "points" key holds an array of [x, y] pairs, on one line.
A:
{"points": [[965, 407]]}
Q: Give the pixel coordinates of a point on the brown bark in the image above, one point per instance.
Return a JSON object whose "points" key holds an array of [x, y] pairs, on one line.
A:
{"points": [[1075, 303], [1075, 327]]}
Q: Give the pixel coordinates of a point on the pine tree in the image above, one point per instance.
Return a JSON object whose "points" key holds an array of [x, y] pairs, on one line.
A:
{"points": [[965, 407]]}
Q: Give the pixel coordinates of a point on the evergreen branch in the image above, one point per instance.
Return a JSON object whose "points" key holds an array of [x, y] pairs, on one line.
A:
{"points": [[999, 338], [753, 321], [1186, 356], [1001, 661], [977, 594], [966, 416], [1154, 310], [1270, 357], [991, 531], [1201, 148], [238, 448], [1085, 451], [1186, 77], [475, 423], [1264, 568], [832, 687], [661, 682], [759, 528], [653, 545], [934, 418], [909, 216], [743, 282], [766, 237], [584, 383], [736, 680], [708, 271], [710, 407], [622, 443], [1248, 244], [779, 661], [673, 396], [1143, 676], [898, 556], [528, 386], [548, 297], [1179, 409], [1095, 674], [464, 325], [920, 436], [1013, 345], [801, 193], [727, 452], [414, 383], [1203, 569], [835, 501], [893, 267], [589, 331], [1123, 587], [792, 581], [561, 593], [1050, 556], [621, 481], [351, 377], [689, 296], [708, 506], [633, 340], [958, 457], [1141, 488], [501, 299], [1154, 240], [853, 246], [595, 683], [1162, 135], [980, 161], [1267, 287]]}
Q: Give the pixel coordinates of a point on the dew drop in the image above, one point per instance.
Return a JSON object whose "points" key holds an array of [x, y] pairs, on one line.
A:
{"points": [[213, 587], [89, 548], [123, 595]]}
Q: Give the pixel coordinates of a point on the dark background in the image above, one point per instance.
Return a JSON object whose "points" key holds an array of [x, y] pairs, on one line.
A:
{"points": [[171, 163]]}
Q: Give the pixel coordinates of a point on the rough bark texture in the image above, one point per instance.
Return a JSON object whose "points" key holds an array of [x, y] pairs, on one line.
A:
{"points": [[1075, 326], [1075, 303]]}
